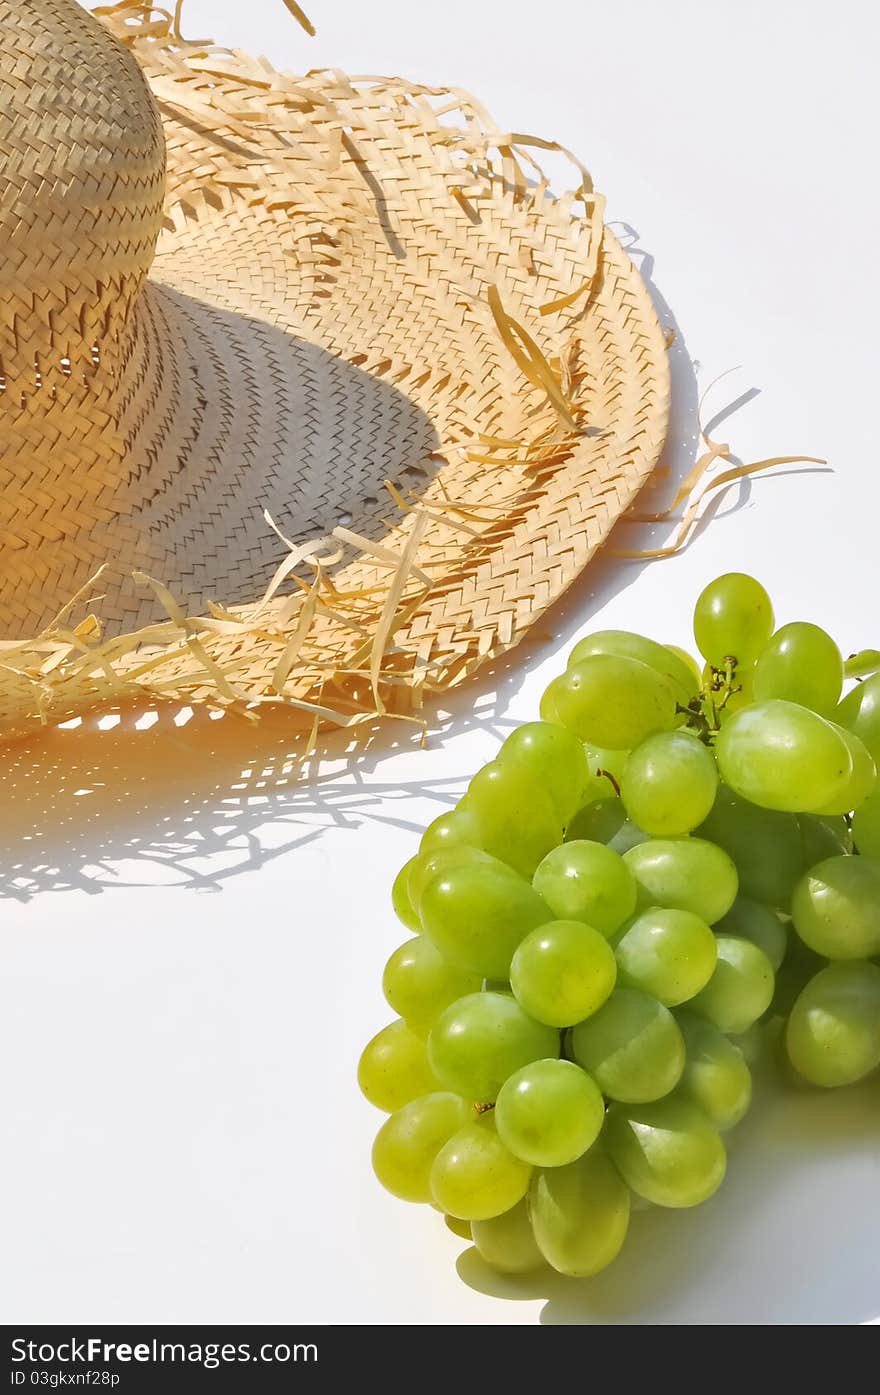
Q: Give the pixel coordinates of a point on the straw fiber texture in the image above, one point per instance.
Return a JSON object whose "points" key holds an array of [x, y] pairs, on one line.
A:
{"points": [[310, 390]]}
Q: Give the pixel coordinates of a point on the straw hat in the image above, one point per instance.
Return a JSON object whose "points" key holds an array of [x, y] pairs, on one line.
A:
{"points": [[321, 398]]}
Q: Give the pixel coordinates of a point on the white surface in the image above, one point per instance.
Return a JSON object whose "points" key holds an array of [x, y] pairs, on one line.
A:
{"points": [[193, 943]]}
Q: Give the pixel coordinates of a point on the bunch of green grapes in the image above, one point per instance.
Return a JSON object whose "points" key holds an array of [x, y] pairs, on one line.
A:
{"points": [[668, 857]]}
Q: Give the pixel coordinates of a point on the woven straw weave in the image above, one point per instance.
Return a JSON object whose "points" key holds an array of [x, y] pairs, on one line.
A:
{"points": [[325, 386]]}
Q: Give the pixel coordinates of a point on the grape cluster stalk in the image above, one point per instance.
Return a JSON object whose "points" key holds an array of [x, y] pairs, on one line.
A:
{"points": [[672, 857]]}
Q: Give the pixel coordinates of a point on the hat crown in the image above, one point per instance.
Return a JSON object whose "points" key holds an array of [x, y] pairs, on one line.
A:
{"points": [[83, 166]]}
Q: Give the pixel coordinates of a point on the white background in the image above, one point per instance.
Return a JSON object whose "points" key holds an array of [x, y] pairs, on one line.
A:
{"points": [[193, 940]]}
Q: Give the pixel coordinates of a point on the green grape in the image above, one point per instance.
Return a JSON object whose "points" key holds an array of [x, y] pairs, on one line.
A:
{"points": [[716, 1077], [833, 1033], [419, 984], [427, 865], [474, 1177], [482, 1039], [782, 756], [863, 664], [457, 826], [409, 1141], [547, 707], [517, 820], [400, 898], [862, 780], [394, 1068], [823, 837], [462, 1229], [586, 881], [859, 712], [562, 972], [666, 953], [749, 920], [631, 1047], [686, 874], [507, 1242], [614, 702], [690, 664], [549, 1113], [580, 1214], [476, 916], [866, 827], [802, 664], [669, 784], [747, 832], [558, 759], [667, 1152], [605, 821], [660, 657], [605, 772], [836, 908], [741, 988], [733, 619]]}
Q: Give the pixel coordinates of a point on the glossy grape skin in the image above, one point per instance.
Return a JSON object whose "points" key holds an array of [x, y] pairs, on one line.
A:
{"points": [[781, 756], [668, 954], [833, 1032], [482, 1039], [557, 756], [474, 1177], [823, 837], [625, 645], [587, 881], [631, 1047], [562, 972], [507, 1242], [515, 816], [669, 784], [716, 1077], [866, 827], [400, 898], [836, 908], [687, 874], [549, 1113], [862, 779], [455, 827], [427, 865], [394, 1068], [733, 619], [750, 920], [746, 831], [419, 984], [477, 915], [614, 702], [859, 712], [802, 664], [580, 1214], [667, 1152], [741, 988], [410, 1139]]}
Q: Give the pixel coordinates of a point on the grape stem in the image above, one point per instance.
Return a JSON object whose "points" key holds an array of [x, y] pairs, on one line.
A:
{"points": [[609, 776], [704, 711]]}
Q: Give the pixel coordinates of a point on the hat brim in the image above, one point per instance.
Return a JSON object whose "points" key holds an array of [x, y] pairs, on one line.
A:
{"points": [[359, 282]]}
